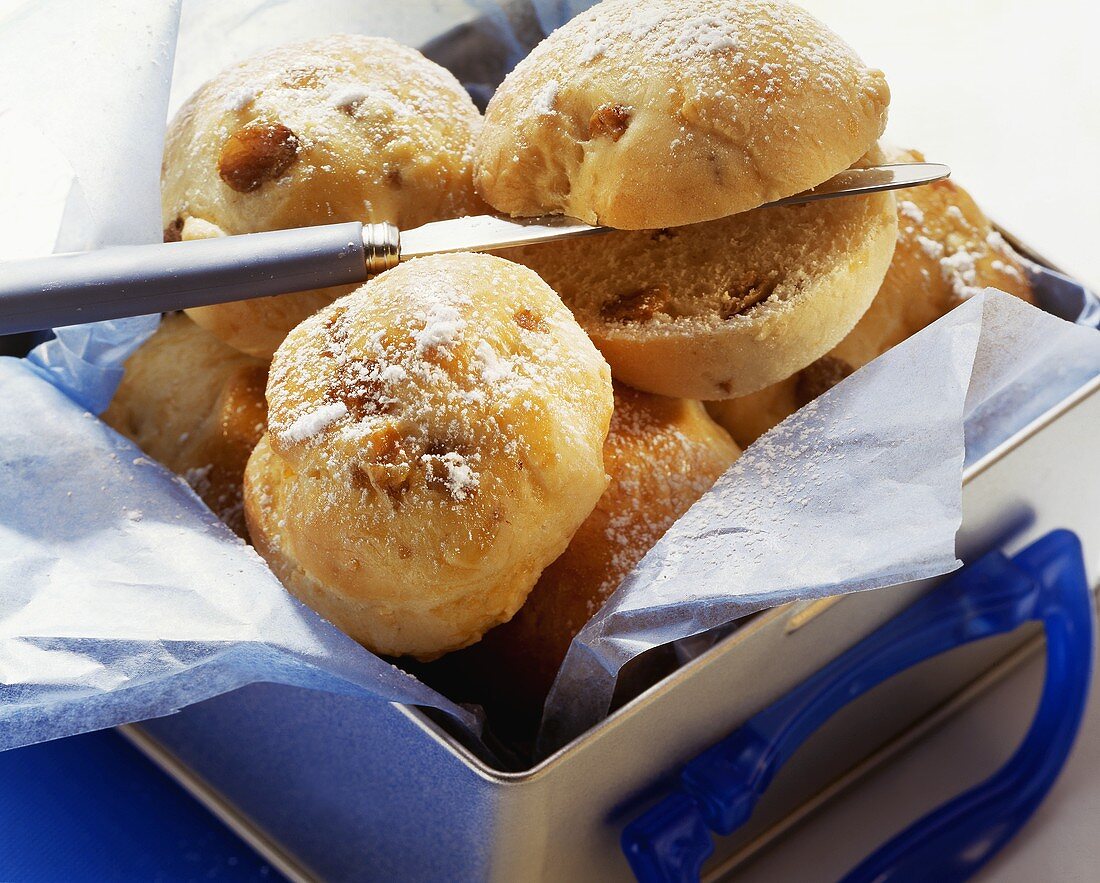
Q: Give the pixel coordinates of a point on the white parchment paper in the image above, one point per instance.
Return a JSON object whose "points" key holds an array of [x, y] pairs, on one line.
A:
{"points": [[122, 597], [860, 489]]}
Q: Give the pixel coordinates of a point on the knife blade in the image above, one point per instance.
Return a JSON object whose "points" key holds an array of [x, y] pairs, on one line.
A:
{"points": [[854, 182], [490, 233]]}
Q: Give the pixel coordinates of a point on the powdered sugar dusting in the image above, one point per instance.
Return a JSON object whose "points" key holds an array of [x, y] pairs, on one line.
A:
{"points": [[705, 33], [239, 99], [910, 211], [309, 424], [960, 270], [494, 369], [673, 34], [1006, 268], [351, 96], [544, 100], [443, 326], [968, 254], [756, 48], [592, 51], [392, 374], [930, 247], [418, 389], [460, 480]]}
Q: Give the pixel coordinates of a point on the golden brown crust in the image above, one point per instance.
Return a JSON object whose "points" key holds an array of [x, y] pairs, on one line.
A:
{"points": [[721, 309], [947, 250], [197, 406], [662, 455], [339, 128], [641, 114], [434, 441]]}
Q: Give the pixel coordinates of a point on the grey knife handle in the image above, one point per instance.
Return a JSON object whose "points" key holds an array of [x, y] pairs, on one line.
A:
{"points": [[68, 289]]}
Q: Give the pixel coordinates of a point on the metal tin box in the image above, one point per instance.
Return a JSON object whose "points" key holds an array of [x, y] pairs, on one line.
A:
{"points": [[333, 788]]}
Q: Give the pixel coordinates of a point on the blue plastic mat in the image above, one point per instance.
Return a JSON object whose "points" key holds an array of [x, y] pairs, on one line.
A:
{"points": [[92, 808]]}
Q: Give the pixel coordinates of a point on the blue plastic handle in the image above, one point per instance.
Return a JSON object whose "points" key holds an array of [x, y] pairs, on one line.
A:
{"points": [[718, 790]]}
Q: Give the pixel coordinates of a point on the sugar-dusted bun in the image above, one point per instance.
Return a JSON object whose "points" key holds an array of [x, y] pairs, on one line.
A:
{"points": [[341, 128], [662, 455], [435, 439], [658, 113], [946, 251], [197, 406], [728, 307]]}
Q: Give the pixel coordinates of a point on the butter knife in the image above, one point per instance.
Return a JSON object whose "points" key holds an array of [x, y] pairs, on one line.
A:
{"points": [[110, 283]]}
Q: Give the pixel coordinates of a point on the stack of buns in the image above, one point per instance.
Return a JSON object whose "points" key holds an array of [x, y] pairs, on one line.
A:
{"points": [[441, 458]]}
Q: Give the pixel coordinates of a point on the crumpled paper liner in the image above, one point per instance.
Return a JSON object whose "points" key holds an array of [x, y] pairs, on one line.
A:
{"points": [[860, 489], [123, 597]]}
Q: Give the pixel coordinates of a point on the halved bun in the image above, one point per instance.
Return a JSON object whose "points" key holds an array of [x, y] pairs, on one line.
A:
{"points": [[722, 309], [658, 113]]}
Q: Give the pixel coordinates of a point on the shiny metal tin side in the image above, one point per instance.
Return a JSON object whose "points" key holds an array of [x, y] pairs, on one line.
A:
{"points": [[358, 790]]}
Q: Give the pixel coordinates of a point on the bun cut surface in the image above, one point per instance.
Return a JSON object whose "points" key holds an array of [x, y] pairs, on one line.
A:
{"points": [[721, 309]]}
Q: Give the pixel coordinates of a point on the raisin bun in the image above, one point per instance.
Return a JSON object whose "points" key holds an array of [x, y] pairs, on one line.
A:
{"points": [[947, 250], [662, 455], [435, 439], [722, 309], [658, 113], [341, 128], [196, 405]]}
